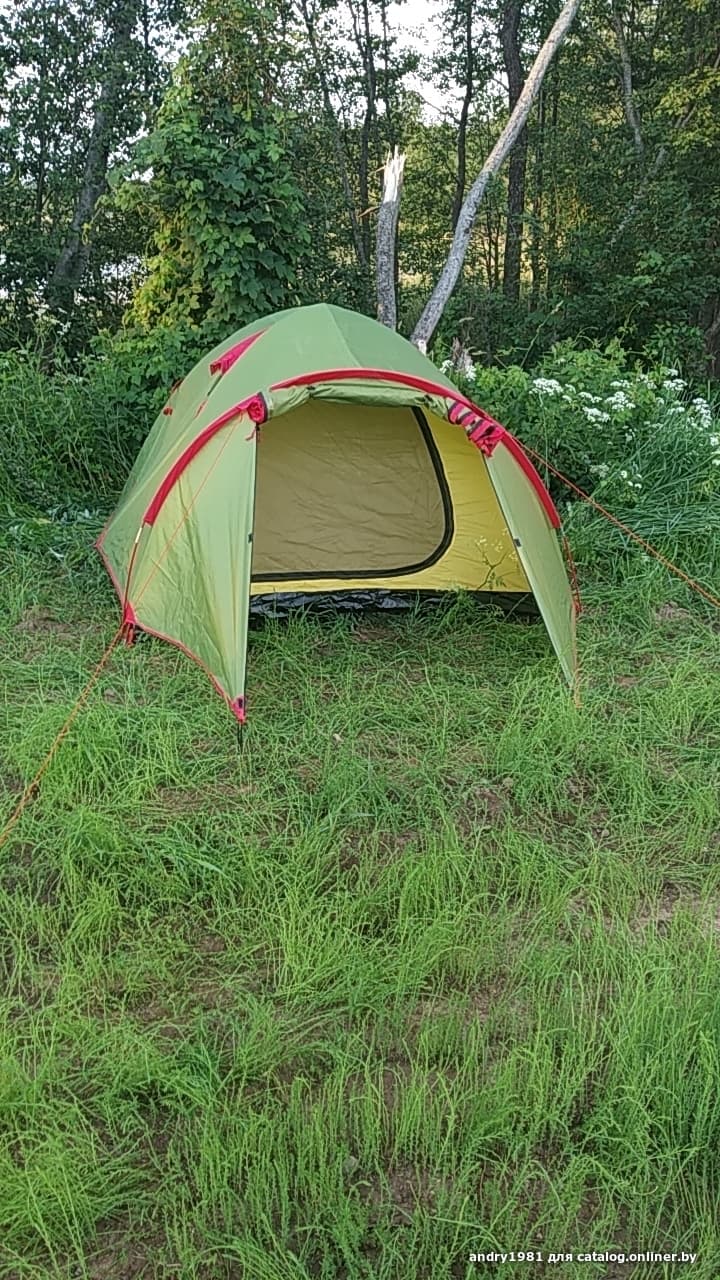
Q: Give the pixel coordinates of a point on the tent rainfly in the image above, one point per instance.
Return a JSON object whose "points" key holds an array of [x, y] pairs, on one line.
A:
{"points": [[318, 452]]}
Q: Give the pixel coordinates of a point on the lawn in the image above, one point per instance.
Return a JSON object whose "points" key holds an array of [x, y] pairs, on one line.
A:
{"points": [[431, 968]]}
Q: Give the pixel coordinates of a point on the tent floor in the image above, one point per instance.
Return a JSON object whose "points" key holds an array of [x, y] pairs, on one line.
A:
{"points": [[282, 604]]}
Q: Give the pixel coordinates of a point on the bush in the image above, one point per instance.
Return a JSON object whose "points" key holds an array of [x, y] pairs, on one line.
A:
{"points": [[641, 443], [70, 436]]}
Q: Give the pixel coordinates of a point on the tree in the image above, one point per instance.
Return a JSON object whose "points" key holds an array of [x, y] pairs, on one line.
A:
{"points": [[387, 240], [72, 261], [61, 116], [428, 321], [227, 219], [510, 41]]}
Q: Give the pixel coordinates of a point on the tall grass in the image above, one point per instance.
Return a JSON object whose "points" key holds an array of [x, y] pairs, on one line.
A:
{"points": [[69, 436], [430, 969]]}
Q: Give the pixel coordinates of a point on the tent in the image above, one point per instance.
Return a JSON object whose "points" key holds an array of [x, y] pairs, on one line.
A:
{"points": [[317, 451]]}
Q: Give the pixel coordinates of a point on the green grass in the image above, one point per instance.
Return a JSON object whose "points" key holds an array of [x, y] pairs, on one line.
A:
{"points": [[431, 968]]}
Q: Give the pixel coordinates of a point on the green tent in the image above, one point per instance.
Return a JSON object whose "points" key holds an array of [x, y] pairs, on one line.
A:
{"points": [[318, 452]]}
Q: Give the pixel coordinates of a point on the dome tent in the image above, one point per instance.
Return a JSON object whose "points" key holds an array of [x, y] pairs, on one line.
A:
{"points": [[319, 451]]}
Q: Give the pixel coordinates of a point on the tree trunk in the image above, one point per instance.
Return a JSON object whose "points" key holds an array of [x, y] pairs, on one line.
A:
{"points": [[337, 140], [537, 204], [464, 116], [363, 39], [553, 211], [386, 94], [387, 240], [628, 97], [660, 157], [70, 266], [509, 39], [450, 274]]}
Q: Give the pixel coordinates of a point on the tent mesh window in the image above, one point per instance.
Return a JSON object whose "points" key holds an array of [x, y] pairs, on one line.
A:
{"points": [[347, 490]]}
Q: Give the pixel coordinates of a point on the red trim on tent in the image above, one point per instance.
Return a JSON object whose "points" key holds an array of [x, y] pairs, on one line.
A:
{"points": [[227, 360], [255, 408], [486, 438], [435, 388], [378, 375]]}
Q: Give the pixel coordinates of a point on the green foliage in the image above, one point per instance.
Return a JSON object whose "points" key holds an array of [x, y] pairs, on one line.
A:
{"points": [[54, 61], [71, 436], [225, 213], [642, 443]]}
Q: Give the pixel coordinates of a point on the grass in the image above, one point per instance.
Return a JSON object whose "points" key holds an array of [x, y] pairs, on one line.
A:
{"points": [[431, 968]]}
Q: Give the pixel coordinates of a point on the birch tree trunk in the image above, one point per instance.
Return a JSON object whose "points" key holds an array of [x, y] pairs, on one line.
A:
{"points": [[450, 274], [660, 157], [628, 97], [387, 240], [337, 139], [510, 41], [537, 205]]}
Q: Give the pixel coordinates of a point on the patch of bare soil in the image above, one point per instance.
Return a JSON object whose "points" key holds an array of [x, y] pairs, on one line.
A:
{"points": [[471, 1006], [487, 805], [122, 1256], [39, 621], [671, 612], [11, 782], [371, 634], [672, 900], [390, 845], [180, 801], [155, 1015], [399, 1193]]}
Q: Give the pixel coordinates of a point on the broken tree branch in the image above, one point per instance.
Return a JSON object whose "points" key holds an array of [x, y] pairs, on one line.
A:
{"points": [[386, 237], [449, 276]]}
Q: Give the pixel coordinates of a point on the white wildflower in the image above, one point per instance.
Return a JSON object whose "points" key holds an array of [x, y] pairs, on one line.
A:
{"points": [[464, 366], [703, 411], [714, 441], [716, 462], [674, 384], [601, 469], [621, 384], [596, 415], [618, 401], [591, 399], [546, 386], [623, 475]]}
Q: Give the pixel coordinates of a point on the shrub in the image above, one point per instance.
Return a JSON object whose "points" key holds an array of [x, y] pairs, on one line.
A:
{"points": [[641, 443], [70, 436]]}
